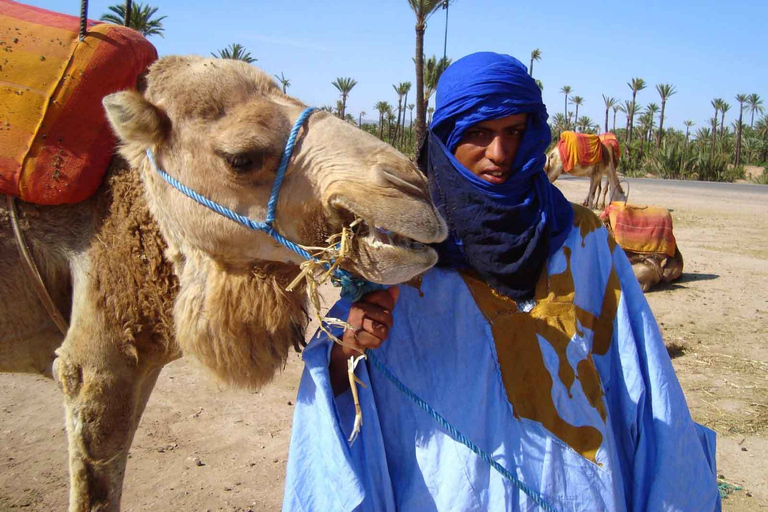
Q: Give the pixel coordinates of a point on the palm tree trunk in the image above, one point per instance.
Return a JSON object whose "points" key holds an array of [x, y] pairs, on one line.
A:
{"points": [[343, 105], [714, 134], [128, 13], [738, 137], [661, 125], [381, 124], [402, 127], [614, 120], [722, 123], [606, 118], [421, 110], [631, 125], [530, 68], [566, 112], [576, 116]]}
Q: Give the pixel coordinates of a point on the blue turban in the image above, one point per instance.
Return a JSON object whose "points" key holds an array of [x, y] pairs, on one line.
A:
{"points": [[503, 232]]}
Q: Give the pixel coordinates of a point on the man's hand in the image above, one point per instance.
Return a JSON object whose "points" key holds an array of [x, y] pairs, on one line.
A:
{"points": [[371, 319]]}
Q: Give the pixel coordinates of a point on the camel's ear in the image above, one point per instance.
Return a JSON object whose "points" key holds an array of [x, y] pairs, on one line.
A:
{"points": [[135, 120]]}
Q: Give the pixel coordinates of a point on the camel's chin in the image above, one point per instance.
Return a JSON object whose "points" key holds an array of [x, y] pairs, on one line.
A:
{"points": [[390, 263]]}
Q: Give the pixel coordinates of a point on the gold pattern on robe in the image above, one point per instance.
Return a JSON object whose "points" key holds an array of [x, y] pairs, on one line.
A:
{"points": [[556, 319]]}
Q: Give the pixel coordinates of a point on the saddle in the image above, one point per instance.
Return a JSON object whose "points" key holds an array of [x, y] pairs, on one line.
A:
{"points": [[56, 141], [582, 149], [641, 229]]}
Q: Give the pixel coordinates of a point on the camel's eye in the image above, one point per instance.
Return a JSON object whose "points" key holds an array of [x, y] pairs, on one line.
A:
{"points": [[242, 162]]}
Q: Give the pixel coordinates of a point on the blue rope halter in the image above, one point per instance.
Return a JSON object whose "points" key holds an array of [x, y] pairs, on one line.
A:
{"points": [[352, 288]]}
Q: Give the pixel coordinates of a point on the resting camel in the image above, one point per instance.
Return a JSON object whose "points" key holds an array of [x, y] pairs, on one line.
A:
{"points": [[143, 274], [645, 233], [604, 166]]}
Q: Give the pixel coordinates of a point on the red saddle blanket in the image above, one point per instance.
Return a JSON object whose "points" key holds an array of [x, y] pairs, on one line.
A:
{"points": [[55, 142], [642, 229], [609, 139]]}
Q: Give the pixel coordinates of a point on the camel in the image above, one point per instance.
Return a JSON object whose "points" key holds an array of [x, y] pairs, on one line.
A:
{"points": [[605, 166], [645, 234], [142, 273], [652, 269]]}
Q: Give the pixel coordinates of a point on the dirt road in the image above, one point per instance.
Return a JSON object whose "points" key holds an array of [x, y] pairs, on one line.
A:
{"points": [[199, 448]]}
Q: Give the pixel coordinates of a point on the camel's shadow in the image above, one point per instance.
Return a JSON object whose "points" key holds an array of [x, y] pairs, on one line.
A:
{"points": [[681, 283]]}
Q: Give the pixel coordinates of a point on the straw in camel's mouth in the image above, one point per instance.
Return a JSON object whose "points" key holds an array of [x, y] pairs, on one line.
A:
{"points": [[377, 236]]}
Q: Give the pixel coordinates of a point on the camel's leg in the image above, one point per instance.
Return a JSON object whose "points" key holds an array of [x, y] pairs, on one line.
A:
{"points": [[106, 384], [599, 190], [589, 202]]}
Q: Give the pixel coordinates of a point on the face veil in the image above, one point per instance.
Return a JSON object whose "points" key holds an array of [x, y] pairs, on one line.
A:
{"points": [[503, 232]]}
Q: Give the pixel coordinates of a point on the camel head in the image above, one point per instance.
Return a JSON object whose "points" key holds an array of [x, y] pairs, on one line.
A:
{"points": [[220, 127]]}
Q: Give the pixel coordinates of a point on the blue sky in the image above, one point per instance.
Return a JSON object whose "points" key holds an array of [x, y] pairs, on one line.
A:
{"points": [[706, 48]]}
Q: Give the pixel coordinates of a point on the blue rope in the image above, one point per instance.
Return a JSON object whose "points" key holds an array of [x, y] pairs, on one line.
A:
{"points": [[272, 204], [458, 436], [352, 288]]}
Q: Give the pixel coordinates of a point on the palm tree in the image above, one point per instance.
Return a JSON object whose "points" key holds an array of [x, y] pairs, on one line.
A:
{"points": [[616, 108], [585, 124], [539, 84], [139, 18], [609, 102], [652, 109], [381, 107], [284, 82], [755, 105], [535, 55], [407, 88], [423, 9], [402, 92], [637, 85], [360, 119], [344, 85], [235, 51], [558, 125], [724, 107], [411, 106], [433, 70], [665, 91], [566, 89], [716, 103], [578, 101], [430, 111], [741, 98], [688, 125]]}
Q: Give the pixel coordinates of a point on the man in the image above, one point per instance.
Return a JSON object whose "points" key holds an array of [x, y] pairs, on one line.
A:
{"points": [[532, 338]]}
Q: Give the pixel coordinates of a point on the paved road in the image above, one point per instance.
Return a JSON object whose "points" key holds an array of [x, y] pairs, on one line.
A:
{"points": [[689, 185]]}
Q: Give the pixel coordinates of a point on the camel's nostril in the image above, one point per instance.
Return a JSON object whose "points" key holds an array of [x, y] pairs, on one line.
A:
{"points": [[410, 182]]}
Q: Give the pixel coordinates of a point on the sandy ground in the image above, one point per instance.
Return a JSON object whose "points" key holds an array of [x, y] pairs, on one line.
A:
{"points": [[200, 448]]}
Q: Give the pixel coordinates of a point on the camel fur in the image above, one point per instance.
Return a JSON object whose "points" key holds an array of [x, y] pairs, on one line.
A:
{"points": [[144, 274]]}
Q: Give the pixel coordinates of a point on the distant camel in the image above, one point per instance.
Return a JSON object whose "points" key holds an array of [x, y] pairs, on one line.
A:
{"points": [[142, 273], [581, 154]]}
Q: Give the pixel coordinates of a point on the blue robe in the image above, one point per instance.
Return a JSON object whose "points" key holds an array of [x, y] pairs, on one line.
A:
{"points": [[573, 393]]}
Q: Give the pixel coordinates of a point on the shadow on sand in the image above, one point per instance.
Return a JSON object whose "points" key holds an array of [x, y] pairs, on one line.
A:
{"points": [[684, 279]]}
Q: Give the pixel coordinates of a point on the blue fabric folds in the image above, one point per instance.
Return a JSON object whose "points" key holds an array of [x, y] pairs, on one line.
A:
{"points": [[504, 232]]}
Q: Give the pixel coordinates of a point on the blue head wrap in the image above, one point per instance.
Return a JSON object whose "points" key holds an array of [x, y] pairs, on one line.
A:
{"points": [[504, 232]]}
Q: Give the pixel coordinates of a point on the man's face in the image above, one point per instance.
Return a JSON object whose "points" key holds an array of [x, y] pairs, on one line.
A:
{"points": [[488, 148]]}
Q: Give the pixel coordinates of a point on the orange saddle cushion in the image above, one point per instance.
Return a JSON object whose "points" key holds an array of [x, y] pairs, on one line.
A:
{"points": [[55, 142], [643, 229]]}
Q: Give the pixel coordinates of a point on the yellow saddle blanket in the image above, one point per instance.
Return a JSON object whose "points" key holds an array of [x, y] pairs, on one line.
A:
{"points": [[581, 149], [55, 143]]}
